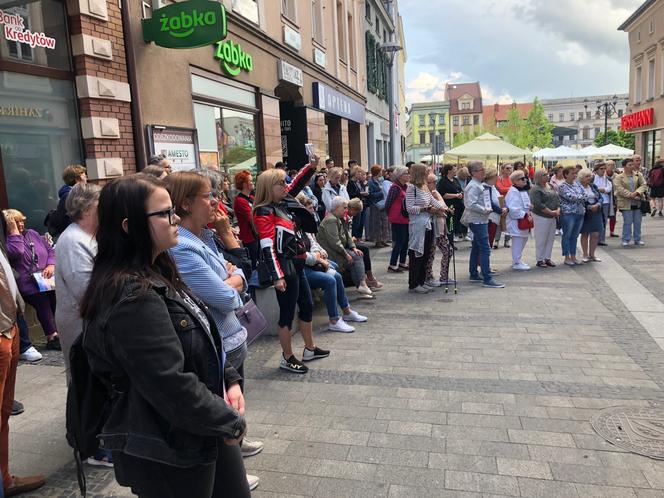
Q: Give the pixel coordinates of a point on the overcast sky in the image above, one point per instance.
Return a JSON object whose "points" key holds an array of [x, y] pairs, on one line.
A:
{"points": [[516, 49]]}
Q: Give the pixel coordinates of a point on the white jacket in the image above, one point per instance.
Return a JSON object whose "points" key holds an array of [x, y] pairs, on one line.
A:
{"points": [[518, 206], [329, 193]]}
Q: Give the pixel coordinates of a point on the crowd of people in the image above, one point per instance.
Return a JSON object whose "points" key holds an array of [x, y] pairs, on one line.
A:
{"points": [[154, 267]]}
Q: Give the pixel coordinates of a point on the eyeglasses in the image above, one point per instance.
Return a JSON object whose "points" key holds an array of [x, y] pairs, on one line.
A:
{"points": [[166, 212], [520, 178]]}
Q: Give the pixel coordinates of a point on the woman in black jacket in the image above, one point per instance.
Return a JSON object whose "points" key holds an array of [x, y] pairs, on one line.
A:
{"points": [[175, 420]]}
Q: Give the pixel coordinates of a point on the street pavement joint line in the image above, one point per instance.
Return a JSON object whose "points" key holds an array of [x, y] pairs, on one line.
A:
{"points": [[639, 301]]}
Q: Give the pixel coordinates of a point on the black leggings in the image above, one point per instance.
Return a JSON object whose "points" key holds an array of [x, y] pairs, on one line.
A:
{"points": [[149, 479], [297, 293], [417, 267], [366, 255]]}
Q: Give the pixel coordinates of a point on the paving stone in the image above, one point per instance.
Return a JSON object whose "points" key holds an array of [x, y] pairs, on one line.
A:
{"points": [[470, 419], [557, 425], [334, 488], [593, 491], [409, 428], [541, 437], [471, 463], [417, 443], [398, 491], [412, 416], [481, 483], [482, 408], [310, 449], [598, 475], [481, 433], [388, 456], [342, 470], [565, 455], [538, 488], [432, 479], [523, 468]]}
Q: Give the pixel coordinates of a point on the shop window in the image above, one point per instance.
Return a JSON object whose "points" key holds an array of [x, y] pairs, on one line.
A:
{"points": [[45, 21], [288, 9], [317, 21], [247, 9], [39, 137], [226, 139]]}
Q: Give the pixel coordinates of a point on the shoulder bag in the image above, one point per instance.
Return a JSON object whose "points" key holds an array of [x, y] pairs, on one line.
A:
{"points": [[252, 319]]}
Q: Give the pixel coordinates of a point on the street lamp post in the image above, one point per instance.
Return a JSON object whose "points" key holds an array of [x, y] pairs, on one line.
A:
{"points": [[606, 109], [390, 49]]}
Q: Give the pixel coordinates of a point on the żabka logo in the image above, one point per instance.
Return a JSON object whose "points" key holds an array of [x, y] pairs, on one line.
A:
{"points": [[189, 24], [233, 58], [14, 30]]}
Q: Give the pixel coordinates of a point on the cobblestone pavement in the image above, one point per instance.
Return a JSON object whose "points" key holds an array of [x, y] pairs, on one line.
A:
{"points": [[486, 393]]}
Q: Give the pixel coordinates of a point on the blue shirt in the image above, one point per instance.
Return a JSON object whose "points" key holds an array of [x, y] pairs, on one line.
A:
{"points": [[203, 269]]}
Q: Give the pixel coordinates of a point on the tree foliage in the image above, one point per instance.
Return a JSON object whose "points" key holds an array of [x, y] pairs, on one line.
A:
{"points": [[620, 138], [534, 130], [463, 137]]}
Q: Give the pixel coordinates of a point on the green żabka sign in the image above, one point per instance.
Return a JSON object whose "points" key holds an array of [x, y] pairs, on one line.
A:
{"points": [[190, 24], [233, 58]]}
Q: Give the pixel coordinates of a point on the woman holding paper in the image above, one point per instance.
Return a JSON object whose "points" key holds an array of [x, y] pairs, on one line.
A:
{"points": [[33, 259]]}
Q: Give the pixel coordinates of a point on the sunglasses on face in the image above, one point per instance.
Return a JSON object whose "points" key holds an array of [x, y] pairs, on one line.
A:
{"points": [[170, 213], [520, 178]]}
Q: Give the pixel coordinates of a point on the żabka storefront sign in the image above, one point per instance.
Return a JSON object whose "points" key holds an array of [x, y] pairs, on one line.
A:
{"points": [[14, 30], [190, 24], [638, 119]]}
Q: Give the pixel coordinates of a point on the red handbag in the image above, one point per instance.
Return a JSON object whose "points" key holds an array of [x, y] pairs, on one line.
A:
{"points": [[527, 222]]}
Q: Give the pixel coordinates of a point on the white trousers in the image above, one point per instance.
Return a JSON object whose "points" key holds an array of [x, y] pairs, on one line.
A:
{"points": [[545, 234], [518, 245]]}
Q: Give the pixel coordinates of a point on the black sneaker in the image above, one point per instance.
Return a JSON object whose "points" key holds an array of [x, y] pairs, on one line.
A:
{"points": [[294, 365], [54, 344], [17, 408], [316, 354], [654, 212]]}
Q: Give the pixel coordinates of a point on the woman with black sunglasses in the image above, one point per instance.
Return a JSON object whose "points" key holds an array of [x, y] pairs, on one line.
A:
{"points": [[177, 413]]}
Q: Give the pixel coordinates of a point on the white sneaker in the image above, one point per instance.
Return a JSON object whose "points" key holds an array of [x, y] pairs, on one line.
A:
{"points": [[558, 231], [624, 244], [340, 326], [354, 316], [434, 283], [468, 238], [520, 267], [253, 481], [31, 355], [420, 289], [250, 448], [363, 289]]}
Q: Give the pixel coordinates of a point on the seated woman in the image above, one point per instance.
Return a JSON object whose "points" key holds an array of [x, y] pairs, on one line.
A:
{"points": [[322, 273], [355, 208], [335, 238], [205, 271]]}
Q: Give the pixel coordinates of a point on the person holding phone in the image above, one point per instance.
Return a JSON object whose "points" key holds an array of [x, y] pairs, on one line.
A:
{"points": [[177, 413], [284, 252]]}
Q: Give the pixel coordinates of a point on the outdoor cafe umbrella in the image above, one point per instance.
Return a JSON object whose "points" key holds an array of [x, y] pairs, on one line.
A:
{"points": [[486, 146]]}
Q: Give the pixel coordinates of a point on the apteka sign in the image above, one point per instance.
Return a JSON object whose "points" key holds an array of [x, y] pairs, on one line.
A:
{"points": [[190, 24], [13, 27]]}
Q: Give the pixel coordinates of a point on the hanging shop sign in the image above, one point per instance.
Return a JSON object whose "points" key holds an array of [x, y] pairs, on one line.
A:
{"points": [[14, 30], [638, 119], [290, 73], [178, 145], [233, 59], [190, 24], [330, 100]]}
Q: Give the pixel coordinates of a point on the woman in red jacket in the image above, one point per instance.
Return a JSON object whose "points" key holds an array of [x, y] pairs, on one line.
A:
{"points": [[281, 228], [399, 221], [242, 206]]}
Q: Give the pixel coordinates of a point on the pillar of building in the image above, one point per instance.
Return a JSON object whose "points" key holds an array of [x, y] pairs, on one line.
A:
{"points": [[102, 85], [339, 142]]}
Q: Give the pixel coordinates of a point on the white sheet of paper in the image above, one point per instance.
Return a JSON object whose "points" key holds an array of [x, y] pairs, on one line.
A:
{"points": [[487, 199]]}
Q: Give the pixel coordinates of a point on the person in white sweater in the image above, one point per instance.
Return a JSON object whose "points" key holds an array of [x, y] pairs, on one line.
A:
{"points": [[518, 203]]}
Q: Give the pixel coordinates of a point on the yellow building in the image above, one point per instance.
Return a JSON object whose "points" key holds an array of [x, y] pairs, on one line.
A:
{"points": [[429, 130]]}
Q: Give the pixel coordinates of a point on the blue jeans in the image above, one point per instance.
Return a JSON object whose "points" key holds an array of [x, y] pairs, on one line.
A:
{"points": [[333, 289], [399, 243], [480, 250], [605, 221], [631, 217], [24, 334], [571, 225]]}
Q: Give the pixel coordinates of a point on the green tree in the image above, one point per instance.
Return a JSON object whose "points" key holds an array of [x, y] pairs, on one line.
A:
{"points": [[532, 131], [463, 137], [620, 138]]}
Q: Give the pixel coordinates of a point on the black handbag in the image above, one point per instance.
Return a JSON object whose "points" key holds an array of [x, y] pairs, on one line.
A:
{"points": [[645, 207], [252, 320]]}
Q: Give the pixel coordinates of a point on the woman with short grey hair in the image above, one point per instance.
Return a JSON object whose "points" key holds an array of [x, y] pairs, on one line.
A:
{"points": [[546, 211], [74, 259]]}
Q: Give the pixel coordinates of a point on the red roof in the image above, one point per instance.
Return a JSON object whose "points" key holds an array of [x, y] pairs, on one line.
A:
{"points": [[496, 113], [453, 91]]}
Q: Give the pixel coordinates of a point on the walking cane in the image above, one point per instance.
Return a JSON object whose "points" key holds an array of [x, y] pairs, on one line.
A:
{"points": [[450, 220]]}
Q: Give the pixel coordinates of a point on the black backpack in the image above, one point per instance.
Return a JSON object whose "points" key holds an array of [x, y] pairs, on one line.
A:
{"points": [[89, 401]]}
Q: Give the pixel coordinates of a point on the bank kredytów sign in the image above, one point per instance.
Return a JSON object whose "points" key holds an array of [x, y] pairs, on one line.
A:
{"points": [[233, 58], [190, 24], [638, 119]]}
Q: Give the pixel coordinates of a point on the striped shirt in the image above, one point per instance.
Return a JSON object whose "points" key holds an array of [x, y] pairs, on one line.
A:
{"points": [[203, 269]]}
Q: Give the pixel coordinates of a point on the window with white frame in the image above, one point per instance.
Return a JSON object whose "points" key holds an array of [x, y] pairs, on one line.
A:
{"points": [[651, 79], [288, 9], [341, 36], [247, 9], [351, 41], [317, 21], [638, 83], [421, 119]]}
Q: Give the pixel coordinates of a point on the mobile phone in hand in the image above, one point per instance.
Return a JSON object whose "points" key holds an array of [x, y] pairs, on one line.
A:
{"points": [[309, 150]]}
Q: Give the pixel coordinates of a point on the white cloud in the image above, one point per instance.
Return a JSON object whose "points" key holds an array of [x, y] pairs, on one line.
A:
{"points": [[489, 96], [429, 87], [573, 54]]}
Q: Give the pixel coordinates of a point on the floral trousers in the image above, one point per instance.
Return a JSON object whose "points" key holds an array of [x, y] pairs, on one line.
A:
{"points": [[443, 243]]}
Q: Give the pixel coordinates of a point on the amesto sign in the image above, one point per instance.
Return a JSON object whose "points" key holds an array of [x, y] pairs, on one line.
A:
{"points": [[189, 24], [233, 58]]}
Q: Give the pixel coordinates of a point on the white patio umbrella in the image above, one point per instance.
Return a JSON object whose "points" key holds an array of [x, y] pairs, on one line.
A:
{"points": [[613, 150]]}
